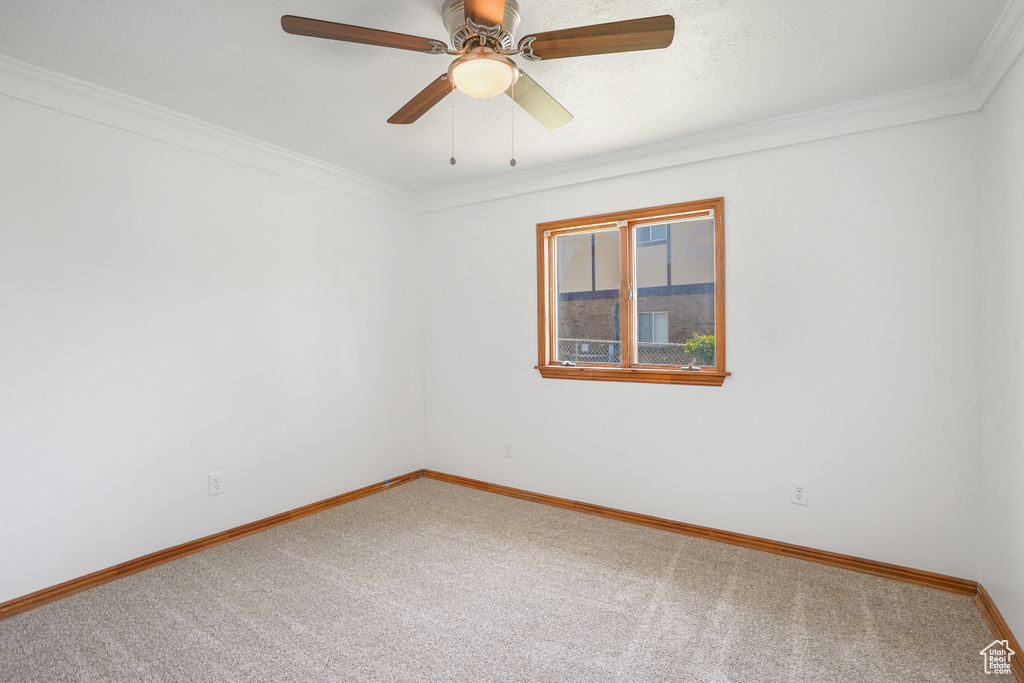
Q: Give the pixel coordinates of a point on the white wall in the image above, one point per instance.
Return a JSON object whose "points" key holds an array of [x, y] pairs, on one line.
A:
{"points": [[165, 314], [1002, 522], [853, 271]]}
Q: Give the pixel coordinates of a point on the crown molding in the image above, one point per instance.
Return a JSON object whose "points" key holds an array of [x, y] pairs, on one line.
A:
{"points": [[1002, 48], [29, 83], [922, 104]]}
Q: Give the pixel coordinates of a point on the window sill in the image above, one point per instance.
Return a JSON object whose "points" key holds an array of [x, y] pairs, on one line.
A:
{"points": [[608, 374]]}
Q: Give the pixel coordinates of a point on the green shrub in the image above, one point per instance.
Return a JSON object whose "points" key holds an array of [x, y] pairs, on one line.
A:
{"points": [[702, 347]]}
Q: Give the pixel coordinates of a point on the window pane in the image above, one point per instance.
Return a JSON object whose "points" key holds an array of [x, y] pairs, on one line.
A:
{"points": [[587, 277], [645, 327], [675, 278], [659, 328]]}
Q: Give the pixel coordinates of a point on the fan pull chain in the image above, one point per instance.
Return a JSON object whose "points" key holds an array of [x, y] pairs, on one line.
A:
{"points": [[452, 160], [512, 161]]}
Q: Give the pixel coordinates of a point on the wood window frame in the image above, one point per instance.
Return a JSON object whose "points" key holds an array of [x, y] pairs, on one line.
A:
{"points": [[626, 370]]}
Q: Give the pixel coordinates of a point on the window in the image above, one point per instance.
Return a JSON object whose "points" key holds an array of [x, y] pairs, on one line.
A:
{"points": [[636, 296], [653, 327], [651, 233]]}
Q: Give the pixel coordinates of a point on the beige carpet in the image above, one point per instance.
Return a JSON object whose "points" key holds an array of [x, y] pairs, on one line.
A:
{"points": [[435, 582]]}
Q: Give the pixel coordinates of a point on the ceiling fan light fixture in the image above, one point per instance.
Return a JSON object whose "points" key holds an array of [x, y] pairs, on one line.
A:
{"points": [[483, 74]]}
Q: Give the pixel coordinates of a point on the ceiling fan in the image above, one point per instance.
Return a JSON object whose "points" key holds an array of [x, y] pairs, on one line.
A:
{"points": [[481, 33]]}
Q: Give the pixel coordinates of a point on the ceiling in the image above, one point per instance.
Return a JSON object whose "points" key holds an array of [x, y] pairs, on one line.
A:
{"points": [[733, 62]]}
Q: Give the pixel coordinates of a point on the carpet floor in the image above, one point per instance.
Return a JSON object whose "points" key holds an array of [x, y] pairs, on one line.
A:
{"points": [[435, 582]]}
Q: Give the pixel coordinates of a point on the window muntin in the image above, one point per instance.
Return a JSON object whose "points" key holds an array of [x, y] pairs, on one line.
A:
{"points": [[635, 296]]}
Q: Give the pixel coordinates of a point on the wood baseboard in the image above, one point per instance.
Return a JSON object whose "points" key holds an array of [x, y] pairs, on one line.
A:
{"points": [[950, 584], [1000, 630], [63, 590], [889, 571]]}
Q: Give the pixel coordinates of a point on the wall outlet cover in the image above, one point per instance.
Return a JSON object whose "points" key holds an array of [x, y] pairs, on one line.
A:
{"points": [[799, 496], [216, 482]]}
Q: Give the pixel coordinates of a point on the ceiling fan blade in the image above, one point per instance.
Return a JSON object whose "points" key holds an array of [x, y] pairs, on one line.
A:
{"points": [[538, 103], [485, 12], [649, 33], [421, 104], [316, 28]]}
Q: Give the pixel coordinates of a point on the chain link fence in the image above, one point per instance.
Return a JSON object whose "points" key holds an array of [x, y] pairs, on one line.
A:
{"points": [[605, 351]]}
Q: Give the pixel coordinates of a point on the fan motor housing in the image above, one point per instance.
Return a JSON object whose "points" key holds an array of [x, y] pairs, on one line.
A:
{"points": [[454, 15]]}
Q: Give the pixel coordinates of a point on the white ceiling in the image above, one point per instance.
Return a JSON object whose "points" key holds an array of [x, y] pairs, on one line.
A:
{"points": [[733, 62]]}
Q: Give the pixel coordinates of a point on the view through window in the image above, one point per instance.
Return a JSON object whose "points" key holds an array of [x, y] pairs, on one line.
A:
{"points": [[640, 292]]}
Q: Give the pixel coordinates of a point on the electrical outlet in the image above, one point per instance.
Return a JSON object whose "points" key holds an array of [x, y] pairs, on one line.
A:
{"points": [[508, 449], [799, 493], [216, 480]]}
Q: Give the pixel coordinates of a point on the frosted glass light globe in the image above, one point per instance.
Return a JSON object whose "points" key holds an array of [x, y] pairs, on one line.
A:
{"points": [[482, 75]]}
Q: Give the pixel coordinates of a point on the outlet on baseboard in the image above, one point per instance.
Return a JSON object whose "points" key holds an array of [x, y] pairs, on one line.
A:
{"points": [[799, 493], [216, 480]]}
